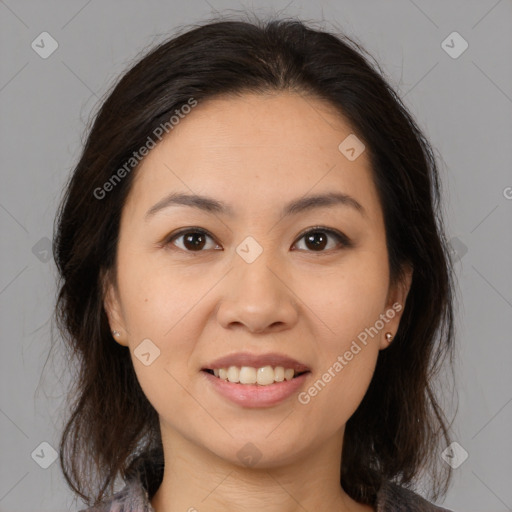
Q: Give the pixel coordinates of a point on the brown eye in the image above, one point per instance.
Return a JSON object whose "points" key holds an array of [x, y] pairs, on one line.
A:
{"points": [[191, 240], [318, 239], [194, 241]]}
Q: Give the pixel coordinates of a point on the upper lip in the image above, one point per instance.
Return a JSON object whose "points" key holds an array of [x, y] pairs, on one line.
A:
{"points": [[257, 361]]}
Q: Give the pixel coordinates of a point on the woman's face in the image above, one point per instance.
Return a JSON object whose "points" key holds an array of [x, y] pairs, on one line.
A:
{"points": [[264, 279]]}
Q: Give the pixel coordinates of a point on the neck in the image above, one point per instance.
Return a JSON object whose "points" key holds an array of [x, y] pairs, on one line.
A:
{"points": [[196, 479]]}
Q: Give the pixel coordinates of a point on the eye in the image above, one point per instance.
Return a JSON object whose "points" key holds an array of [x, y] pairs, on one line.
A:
{"points": [[317, 239], [190, 240]]}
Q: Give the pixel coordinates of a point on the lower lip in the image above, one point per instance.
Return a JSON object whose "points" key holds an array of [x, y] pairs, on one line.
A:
{"points": [[255, 395]]}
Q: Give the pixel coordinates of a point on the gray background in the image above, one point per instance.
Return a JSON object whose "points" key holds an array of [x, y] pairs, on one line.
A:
{"points": [[463, 104]]}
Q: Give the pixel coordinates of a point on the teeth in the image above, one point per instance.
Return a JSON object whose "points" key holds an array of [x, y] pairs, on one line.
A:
{"points": [[288, 374], [279, 374], [233, 374], [248, 375], [265, 375]]}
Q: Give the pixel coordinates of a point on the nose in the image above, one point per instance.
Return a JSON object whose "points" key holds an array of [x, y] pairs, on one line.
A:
{"points": [[257, 296]]}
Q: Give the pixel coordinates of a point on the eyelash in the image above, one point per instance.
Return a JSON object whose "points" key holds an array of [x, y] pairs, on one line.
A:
{"points": [[342, 239]]}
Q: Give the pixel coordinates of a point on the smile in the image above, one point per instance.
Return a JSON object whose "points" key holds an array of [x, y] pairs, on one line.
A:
{"points": [[263, 376], [254, 395]]}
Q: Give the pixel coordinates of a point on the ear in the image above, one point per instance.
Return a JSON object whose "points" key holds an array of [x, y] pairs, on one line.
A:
{"points": [[395, 305], [112, 306]]}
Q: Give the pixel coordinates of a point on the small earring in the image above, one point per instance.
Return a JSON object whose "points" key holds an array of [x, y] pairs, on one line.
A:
{"points": [[389, 337], [116, 334]]}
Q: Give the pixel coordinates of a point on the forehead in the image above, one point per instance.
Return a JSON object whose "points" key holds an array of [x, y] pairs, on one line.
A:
{"points": [[300, 122], [267, 146]]}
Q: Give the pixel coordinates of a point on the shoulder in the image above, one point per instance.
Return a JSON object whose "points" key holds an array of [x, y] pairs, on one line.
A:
{"points": [[131, 498], [395, 498]]}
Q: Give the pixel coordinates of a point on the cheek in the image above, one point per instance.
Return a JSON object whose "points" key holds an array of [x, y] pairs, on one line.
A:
{"points": [[165, 387], [349, 298], [348, 304], [168, 307], [161, 317], [336, 392], [162, 322], [157, 299]]}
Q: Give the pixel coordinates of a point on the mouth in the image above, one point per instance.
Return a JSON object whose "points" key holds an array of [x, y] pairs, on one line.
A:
{"points": [[256, 386], [250, 375]]}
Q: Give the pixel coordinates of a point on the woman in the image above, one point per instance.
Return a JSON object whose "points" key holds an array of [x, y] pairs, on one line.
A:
{"points": [[255, 283]]}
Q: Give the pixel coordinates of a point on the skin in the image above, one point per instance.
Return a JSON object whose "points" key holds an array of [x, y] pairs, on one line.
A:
{"points": [[255, 153]]}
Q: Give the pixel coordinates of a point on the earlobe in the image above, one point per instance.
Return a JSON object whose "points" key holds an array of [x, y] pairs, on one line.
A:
{"points": [[397, 297], [113, 310], [118, 336]]}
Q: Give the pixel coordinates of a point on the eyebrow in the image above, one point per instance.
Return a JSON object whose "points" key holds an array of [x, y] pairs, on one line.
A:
{"points": [[211, 205]]}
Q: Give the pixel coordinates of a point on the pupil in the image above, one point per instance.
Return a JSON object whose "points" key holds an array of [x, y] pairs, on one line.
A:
{"points": [[197, 244], [314, 239]]}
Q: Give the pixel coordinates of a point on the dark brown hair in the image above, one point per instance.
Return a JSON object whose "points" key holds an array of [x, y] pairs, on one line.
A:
{"points": [[397, 430]]}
